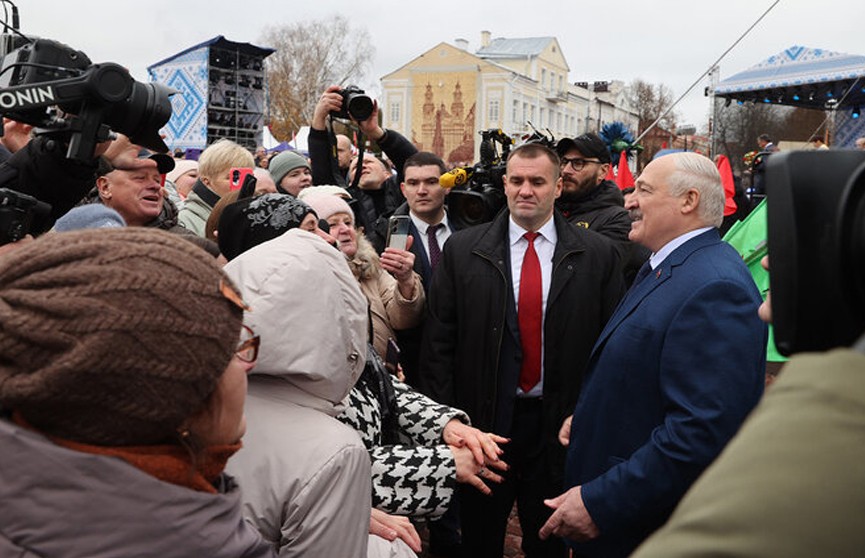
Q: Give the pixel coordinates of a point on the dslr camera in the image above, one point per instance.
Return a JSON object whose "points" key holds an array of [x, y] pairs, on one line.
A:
{"points": [[356, 104]]}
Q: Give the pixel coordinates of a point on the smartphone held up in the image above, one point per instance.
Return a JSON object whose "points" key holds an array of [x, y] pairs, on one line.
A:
{"points": [[397, 231]]}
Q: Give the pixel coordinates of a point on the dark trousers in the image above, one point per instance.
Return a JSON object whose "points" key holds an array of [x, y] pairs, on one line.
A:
{"points": [[484, 518]]}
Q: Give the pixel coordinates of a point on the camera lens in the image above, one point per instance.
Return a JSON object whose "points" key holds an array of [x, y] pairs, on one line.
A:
{"points": [[360, 107], [143, 114]]}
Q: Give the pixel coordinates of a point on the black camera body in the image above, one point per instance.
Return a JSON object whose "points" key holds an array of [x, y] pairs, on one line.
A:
{"points": [[356, 104], [17, 212], [93, 99]]}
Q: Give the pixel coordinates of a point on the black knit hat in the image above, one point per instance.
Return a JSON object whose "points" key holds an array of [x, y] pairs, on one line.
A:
{"points": [[249, 222], [113, 336], [589, 145]]}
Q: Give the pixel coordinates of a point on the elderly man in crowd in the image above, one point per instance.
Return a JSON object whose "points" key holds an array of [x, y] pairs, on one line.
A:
{"points": [[674, 372], [129, 180]]}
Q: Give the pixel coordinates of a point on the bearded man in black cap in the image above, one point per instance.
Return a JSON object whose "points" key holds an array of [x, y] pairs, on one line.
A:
{"points": [[590, 201]]}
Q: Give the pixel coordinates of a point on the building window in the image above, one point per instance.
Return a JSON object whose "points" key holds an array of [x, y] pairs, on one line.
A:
{"points": [[525, 112], [493, 113], [532, 114], [559, 122], [394, 111], [515, 115], [561, 84], [541, 121], [543, 78], [552, 80]]}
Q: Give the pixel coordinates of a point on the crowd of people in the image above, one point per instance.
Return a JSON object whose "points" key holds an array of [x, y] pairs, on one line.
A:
{"points": [[190, 366]]}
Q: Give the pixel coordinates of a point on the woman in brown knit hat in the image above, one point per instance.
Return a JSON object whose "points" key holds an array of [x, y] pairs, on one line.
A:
{"points": [[122, 382]]}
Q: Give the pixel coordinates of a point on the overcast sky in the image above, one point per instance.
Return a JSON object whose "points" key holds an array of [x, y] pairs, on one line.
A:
{"points": [[661, 41]]}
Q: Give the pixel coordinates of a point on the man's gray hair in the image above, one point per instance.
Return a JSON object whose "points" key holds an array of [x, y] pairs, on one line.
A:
{"points": [[699, 172]]}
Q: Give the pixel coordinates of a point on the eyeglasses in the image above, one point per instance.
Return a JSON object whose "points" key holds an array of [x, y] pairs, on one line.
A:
{"points": [[232, 295], [577, 163], [247, 349]]}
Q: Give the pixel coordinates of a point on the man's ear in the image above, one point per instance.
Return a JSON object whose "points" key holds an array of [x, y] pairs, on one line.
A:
{"points": [[103, 186], [690, 201], [602, 172]]}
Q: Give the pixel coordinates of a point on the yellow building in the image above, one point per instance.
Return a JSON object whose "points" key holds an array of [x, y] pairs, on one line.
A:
{"points": [[444, 97]]}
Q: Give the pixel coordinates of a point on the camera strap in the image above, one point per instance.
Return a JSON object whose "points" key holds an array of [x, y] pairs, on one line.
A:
{"points": [[358, 168], [334, 159]]}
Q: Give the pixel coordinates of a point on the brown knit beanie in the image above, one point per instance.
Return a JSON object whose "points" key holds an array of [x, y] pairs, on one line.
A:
{"points": [[112, 336]]}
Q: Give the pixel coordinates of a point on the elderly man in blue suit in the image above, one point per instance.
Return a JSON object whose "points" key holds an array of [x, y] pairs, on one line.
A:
{"points": [[673, 374]]}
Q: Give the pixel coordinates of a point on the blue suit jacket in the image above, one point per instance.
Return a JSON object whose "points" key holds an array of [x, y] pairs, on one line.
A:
{"points": [[670, 380]]}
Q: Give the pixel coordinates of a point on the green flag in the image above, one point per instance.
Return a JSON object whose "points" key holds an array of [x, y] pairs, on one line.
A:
{"points": [[748, 237]]}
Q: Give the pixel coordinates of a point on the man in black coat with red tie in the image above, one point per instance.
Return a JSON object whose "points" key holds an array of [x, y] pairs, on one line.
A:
{"points": [[514, 309]]}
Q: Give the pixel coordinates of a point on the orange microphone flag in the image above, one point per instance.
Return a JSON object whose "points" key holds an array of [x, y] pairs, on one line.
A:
{"points": [[624, 178], [729, 187]]}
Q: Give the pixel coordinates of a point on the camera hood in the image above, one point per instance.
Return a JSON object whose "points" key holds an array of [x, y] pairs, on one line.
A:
{"points": [[816, 239]]}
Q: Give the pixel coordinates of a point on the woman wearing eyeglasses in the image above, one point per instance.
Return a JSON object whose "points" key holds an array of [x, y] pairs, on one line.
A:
{"points": [[123, 364]]}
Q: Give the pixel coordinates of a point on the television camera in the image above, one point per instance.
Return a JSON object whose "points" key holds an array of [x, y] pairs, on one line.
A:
{"points": [[59, 91], [74, 103], [477, 192], [816, 239]]}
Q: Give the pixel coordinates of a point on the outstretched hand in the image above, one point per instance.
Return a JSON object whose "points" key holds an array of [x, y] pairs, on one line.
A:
{"points": [[477, 454], [474, 474], [483, 445]]}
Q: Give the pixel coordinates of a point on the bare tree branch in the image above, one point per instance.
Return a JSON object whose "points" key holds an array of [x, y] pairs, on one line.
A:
{"points": [[311, 55]]}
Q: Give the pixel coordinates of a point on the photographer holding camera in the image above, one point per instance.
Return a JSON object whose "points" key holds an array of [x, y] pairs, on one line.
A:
{"points": [[377, 193]]}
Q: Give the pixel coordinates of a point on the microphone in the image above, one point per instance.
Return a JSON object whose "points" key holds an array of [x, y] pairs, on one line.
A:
{"points": [[456, 177]]}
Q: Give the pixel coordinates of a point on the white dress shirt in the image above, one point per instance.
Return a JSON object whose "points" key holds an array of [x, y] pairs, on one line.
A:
{"points": [[545, 246]]}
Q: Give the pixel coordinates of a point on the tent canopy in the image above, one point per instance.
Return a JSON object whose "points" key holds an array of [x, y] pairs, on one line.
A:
{"points": [[803, 77], [221, 42]]}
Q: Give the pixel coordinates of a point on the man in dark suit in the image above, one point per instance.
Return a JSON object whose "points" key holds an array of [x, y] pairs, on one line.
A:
{"points": [[674, 373], [429, 228], [425, 205], [514, 309]]}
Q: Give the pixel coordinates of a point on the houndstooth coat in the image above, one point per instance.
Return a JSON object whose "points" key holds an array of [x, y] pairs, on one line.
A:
{"points": [[416, 477]]}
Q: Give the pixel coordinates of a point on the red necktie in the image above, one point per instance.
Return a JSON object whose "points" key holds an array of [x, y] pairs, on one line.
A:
{"points": [[530, 316]]}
